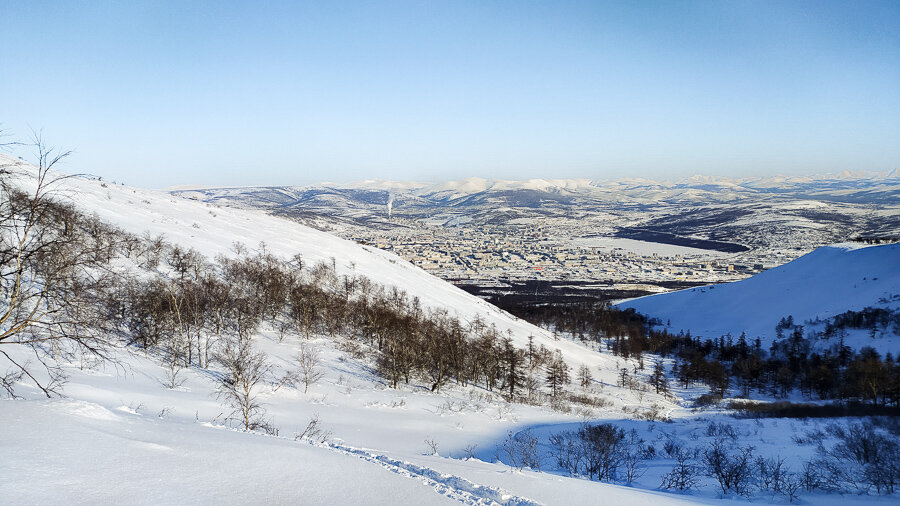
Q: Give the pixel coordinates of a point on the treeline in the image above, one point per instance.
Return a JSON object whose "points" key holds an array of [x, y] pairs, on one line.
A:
{"points": [[730, 363], [870, 318], [887, 239]]}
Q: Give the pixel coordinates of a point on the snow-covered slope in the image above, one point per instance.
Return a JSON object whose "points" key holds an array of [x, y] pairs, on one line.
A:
{"points": [[821, 284]]}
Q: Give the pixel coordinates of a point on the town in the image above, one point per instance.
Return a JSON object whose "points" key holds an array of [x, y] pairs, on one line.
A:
{"points": [[485, 254]]}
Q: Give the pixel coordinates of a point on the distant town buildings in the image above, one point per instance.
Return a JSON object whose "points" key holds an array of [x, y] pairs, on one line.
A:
{"points": [[485, 253]]}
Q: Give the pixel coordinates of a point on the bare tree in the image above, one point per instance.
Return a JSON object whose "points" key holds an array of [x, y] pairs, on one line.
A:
{"points": [[432, 446], [314, 431], [245, 369], [521, 450], [633, 456], [862, 458], [684, 474], [733, 471], [568, 453], [48, 292], [308, 363], [604, 448], [771, 473], [584, 376], [173, 374]]}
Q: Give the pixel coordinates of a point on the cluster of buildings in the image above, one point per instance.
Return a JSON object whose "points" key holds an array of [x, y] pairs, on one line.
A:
{"points": [[482, 253]]}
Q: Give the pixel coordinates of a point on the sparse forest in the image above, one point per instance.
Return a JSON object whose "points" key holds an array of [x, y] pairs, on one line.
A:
{"points": [[740, 364]]}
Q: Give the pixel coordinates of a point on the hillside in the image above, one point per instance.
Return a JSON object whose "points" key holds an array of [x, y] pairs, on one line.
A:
{"points": [[214, 230], [816, 286], [150, 425], [123, 432]]}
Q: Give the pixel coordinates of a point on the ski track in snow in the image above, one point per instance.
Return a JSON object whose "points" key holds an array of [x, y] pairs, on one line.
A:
{"points": [[448, 485]]}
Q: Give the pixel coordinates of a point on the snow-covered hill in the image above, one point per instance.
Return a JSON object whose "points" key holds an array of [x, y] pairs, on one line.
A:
{"points": [[816, 286], [840, 187]]}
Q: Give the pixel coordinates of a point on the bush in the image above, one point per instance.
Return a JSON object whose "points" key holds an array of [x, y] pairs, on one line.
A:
{"points": [[785, 409], [603, 447], [521, 450], [863, 458], [772, 474], [733, 471], [684, 474], [707, 400], [601, 450], [721, 430]]}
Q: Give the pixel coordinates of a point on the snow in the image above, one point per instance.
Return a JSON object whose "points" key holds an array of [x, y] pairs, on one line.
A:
{"points": [[213, 230], [477, 185], [121, 436], [141, 459], [821, 284]]}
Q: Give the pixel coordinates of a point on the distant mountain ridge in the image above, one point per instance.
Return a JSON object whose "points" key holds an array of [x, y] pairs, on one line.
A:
{"points": [[479, 184], [844, 187]]}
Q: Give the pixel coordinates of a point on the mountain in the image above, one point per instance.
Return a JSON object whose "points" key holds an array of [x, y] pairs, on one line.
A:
{"points": [[813, 288], [841, 188]]}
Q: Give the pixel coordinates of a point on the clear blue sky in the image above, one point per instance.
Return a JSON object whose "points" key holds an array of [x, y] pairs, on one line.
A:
{"points": [[258, 93]]}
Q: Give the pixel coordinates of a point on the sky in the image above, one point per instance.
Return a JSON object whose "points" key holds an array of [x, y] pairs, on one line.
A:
{"points": [[163, 93]]}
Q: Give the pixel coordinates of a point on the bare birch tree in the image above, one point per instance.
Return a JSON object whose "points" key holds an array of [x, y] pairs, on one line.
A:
{"points": [[47, 287], [245, 369]]}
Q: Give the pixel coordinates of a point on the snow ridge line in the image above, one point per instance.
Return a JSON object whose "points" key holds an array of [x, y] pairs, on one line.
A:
{"points": [[454, 487]]}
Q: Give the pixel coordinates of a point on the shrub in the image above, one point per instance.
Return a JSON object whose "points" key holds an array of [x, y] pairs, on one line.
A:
{"points": [[684, 474], [733, 471]]}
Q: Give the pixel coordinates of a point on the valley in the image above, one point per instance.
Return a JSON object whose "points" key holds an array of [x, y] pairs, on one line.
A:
{"points": [[499, 390], [619, 232]]}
